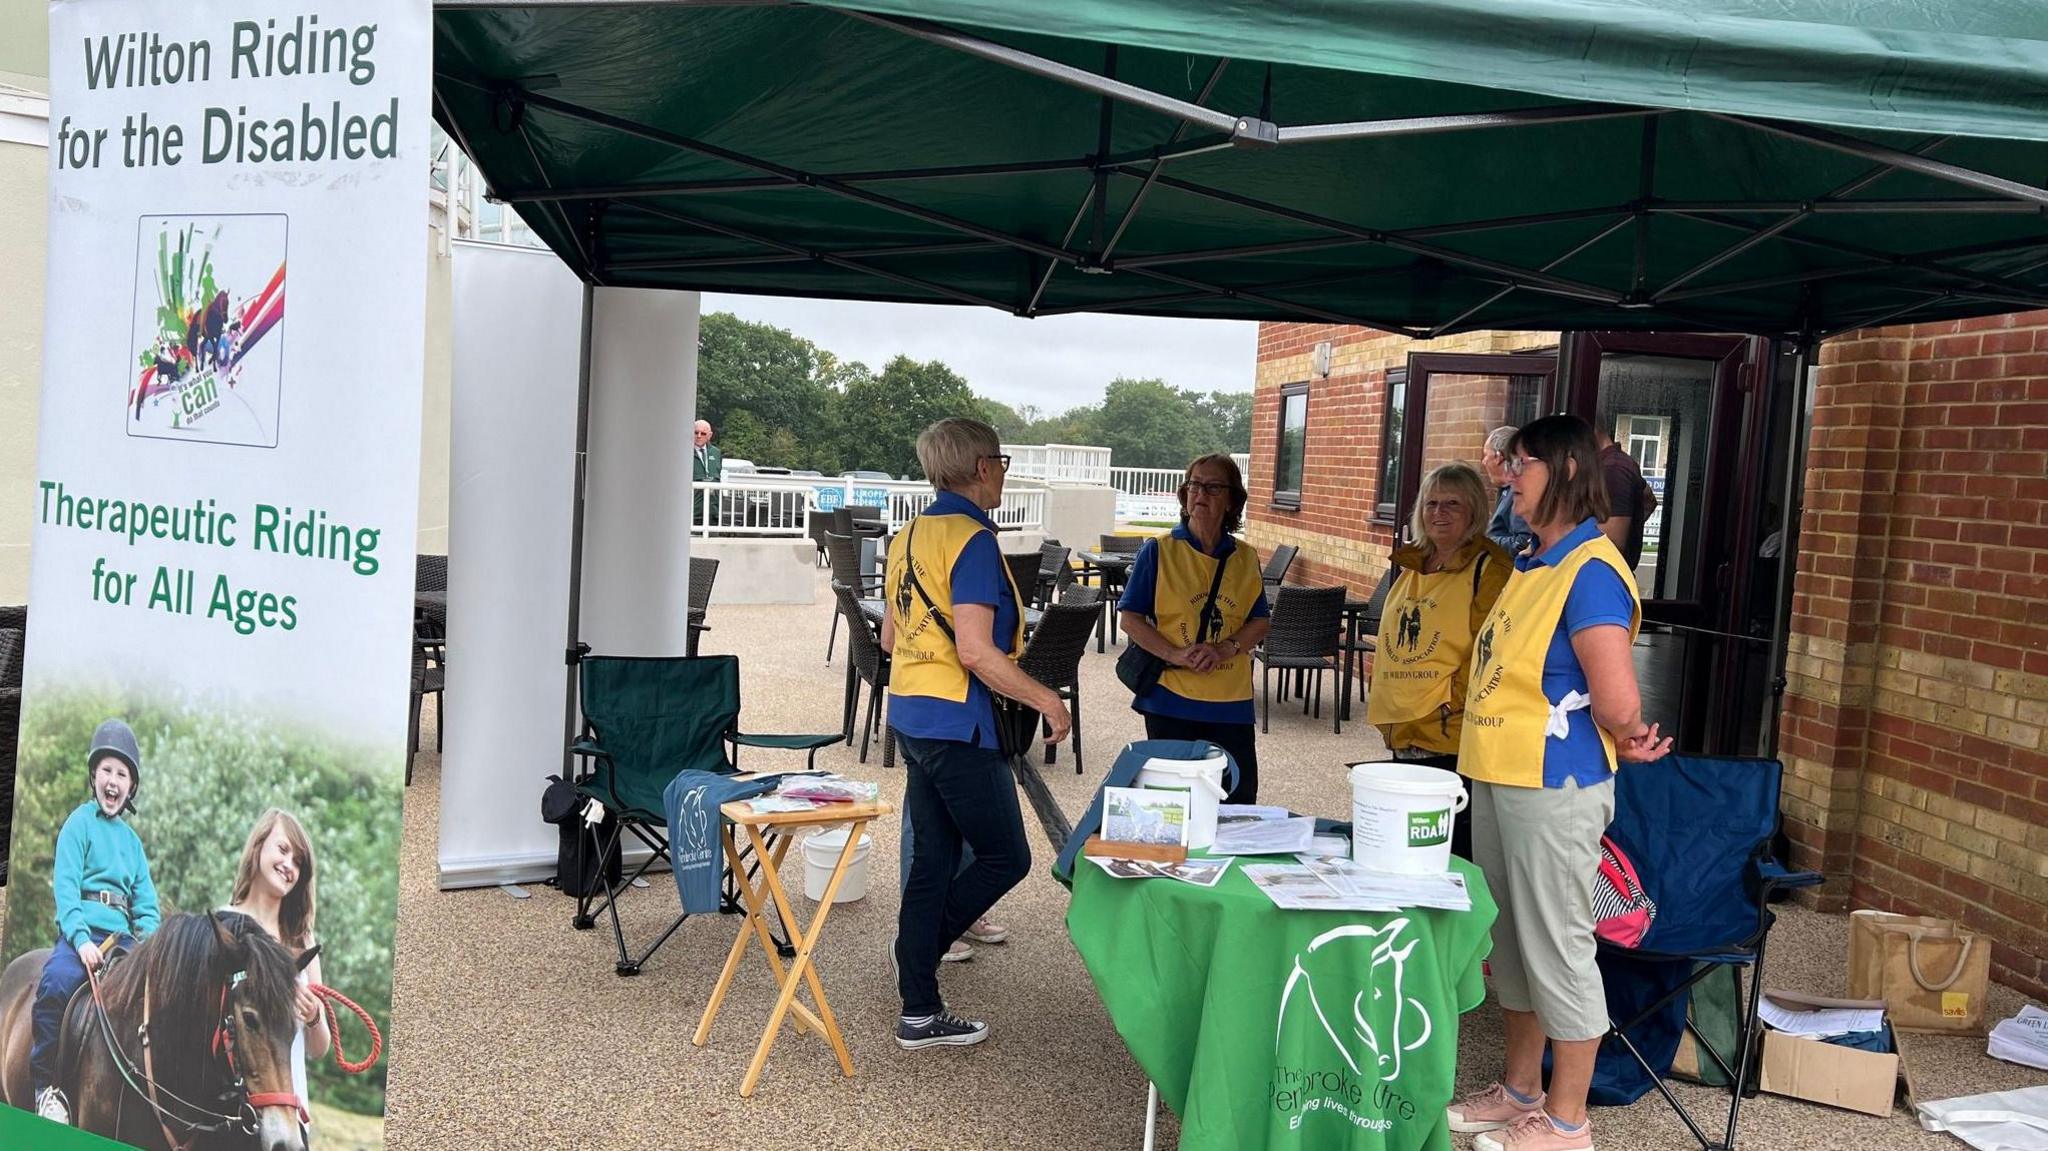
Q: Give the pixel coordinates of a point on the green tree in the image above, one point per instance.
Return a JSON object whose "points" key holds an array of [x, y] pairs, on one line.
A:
{"points": [[880, 416], [754, 380], [1231, 413], [1147, 424]]}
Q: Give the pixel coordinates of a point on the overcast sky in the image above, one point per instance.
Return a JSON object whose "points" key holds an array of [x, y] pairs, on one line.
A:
{"points": [[1057, 362]]}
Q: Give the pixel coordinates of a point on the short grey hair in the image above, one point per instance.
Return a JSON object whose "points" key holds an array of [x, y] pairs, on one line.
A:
{"points": [[951, 451], [1498, 439], [1460, 479]]}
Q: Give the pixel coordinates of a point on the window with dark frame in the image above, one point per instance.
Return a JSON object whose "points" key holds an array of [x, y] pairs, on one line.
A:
{"points": [[1393, 431], [1292, 454]]}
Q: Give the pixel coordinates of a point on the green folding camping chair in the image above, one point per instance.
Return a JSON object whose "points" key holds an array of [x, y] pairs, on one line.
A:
{"points": [[645, 720]]}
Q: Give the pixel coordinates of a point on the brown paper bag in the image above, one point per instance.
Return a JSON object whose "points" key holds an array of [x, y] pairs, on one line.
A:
{"points": [[1932, 974]]}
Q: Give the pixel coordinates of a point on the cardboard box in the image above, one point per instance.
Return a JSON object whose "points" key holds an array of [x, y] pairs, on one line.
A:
{"points": [[1827, 1073]]}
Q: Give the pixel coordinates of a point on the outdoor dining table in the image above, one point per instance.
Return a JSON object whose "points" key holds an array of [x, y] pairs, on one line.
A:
{"points": [[765, 891], [1107, 564], [1265, 1028]]}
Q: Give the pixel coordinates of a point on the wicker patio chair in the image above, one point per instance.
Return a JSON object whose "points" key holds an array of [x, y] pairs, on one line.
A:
{"points": [[429, 677], [1277, 564], [1304, 638], [844, 552], [1122, 545], [1024, 572], [1368, 641], [11, 643], [703, 573], [1053, 657], [1082, 594], [865, 520], [815, 526], [1052, 563], [866, 663], [430, 594]]}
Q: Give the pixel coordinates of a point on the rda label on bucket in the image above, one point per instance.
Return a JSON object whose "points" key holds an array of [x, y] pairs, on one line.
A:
{"points": [[1429, 828]]}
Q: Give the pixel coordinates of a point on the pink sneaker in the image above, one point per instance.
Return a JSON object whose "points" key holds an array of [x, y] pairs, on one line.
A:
{"points": [[1491, 1110], [1535, 1132]]}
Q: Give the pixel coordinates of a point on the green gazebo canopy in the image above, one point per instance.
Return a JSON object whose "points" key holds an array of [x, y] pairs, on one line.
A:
{"points": [[1423, 166]]}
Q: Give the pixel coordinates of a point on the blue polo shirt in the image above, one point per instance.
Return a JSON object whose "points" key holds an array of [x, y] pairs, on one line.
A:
{"points": [[979, 577], [1598, 597], [1140, 590]]}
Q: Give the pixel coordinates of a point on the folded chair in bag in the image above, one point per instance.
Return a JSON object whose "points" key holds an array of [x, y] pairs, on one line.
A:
{"points": [[1699, 832], [644, 720]]}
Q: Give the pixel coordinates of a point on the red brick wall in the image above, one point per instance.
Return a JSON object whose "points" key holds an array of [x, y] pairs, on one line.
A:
{"points": [[1913, 731], [1340, 542], [1915, 725]]}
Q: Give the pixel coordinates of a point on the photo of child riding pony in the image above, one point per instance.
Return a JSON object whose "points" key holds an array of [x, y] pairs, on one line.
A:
{"points": [[228, 1011]]}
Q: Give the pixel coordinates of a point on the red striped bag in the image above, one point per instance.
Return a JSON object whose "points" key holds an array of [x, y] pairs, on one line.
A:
{"points": [[1622, 910]]}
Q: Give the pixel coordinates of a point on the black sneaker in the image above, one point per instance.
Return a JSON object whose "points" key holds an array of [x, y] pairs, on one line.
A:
{"points": [[943, 1030]]}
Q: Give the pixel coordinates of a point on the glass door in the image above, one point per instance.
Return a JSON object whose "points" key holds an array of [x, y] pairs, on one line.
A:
{"points": [[1440, 409], [1691, 410]]}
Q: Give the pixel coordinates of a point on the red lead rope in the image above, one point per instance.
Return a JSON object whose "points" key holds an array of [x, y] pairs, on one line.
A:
{"points": [[334, 1029]]}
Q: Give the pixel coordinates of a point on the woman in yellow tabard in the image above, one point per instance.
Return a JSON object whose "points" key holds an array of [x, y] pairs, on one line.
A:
{"points": [[1446, 583], [1206, 690], [1552, 704], [953, 628]]}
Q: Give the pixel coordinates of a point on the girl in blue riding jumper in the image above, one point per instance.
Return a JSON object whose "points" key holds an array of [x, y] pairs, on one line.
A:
{"points": [[105, 898]]}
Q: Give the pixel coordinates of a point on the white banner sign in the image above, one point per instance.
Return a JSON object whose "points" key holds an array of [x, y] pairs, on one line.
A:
{"points": [[215, 711]]}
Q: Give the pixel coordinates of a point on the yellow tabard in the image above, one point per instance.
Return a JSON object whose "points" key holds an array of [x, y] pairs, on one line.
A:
{"points": [[1505, 709], [1425, 635], [1183, 586], [924, 661]]}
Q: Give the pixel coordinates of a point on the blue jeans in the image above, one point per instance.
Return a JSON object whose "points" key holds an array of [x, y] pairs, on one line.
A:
{"points": [[904, 856], [62, 973], [958, 796]]}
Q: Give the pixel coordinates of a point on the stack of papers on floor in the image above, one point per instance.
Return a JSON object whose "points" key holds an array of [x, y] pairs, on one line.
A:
{"points": [[1328, 883], [2022, 1039]]}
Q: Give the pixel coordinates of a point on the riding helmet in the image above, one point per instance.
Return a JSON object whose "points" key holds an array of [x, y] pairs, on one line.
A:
{"points": [[115, 738]]}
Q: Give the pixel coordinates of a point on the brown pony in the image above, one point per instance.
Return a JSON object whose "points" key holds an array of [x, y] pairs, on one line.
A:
{"points": [[212, 994]]}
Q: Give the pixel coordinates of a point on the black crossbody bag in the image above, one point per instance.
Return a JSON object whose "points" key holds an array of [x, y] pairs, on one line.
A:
{"points": [[1016, 723], [1140, 669]]}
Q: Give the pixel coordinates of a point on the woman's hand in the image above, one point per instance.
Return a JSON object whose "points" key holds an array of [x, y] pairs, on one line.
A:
{"points": [[1057, 719], [1200, 657], [306, 1004], [89, 955], [1643, 746]]}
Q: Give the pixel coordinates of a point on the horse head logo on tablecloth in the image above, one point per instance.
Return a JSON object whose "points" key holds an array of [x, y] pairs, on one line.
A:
{"points": [[1403, 1023]]}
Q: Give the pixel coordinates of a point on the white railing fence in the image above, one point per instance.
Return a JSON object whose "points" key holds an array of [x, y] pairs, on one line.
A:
{"points": [[1147, 493], [783, 505], [749, 510], [1059, 463], [1146, 481]]}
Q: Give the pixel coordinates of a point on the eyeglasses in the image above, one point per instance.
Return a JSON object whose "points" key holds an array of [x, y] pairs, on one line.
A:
{"points": [[1516, 465], [1207, 487], [1000, 457]]}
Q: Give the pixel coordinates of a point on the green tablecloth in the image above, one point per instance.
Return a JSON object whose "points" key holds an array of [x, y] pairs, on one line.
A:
{"points": [[1266, 1028]]}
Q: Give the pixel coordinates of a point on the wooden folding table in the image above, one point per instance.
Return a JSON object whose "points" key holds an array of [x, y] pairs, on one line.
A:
{"points": [[767, 892]]}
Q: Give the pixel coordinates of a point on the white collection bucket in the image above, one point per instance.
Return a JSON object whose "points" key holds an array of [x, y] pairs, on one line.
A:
{"points": [[1401, 815], [1202, 779], [821, 855]]}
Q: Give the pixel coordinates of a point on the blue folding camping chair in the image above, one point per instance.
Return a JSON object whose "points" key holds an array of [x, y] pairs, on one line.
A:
{"points": [[1699, 831]]}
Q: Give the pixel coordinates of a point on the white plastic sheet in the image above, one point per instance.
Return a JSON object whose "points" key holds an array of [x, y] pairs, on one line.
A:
{"points": [[1997, 1121]]}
